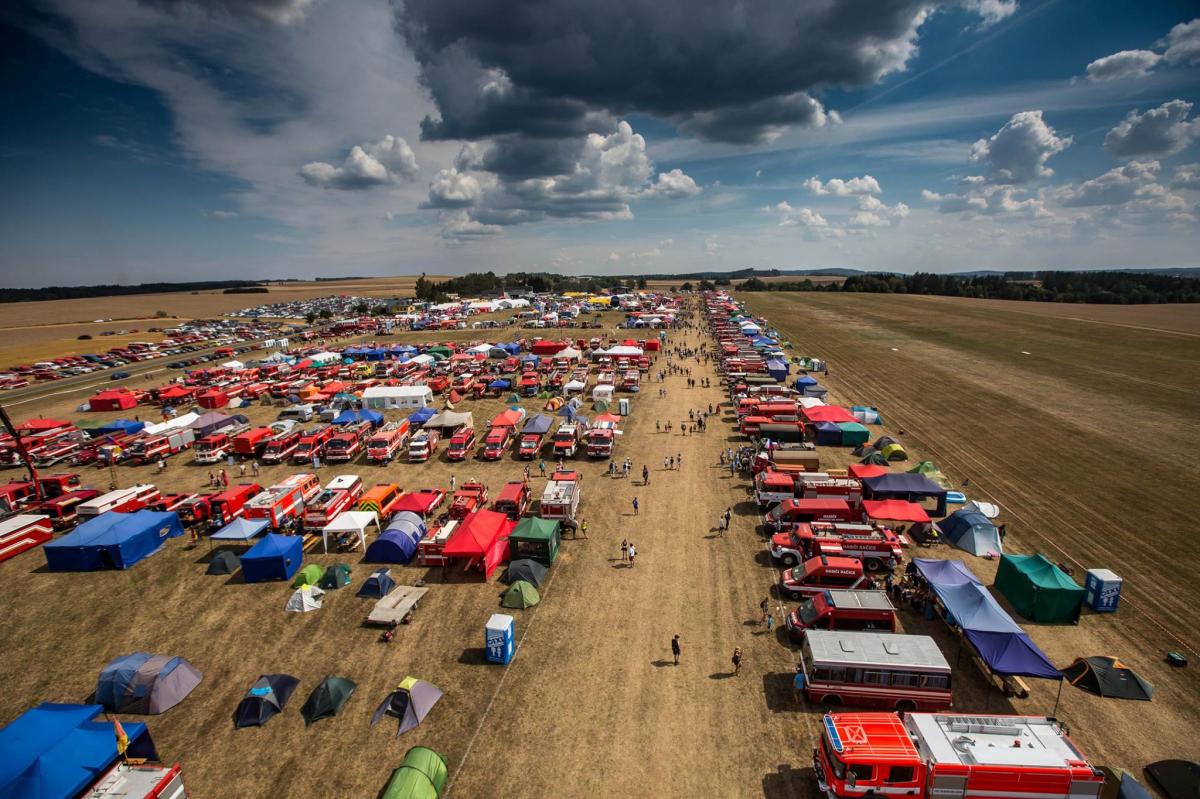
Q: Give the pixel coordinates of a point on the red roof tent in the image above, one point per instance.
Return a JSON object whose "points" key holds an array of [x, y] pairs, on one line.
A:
{"points": [[828, 413], [41, 425], [419, 502], [862, 471], [213, 398], [607, 417], [113, 400], [894, 510], [544, 347], [508, 418], [482, 535], [175, 393]]}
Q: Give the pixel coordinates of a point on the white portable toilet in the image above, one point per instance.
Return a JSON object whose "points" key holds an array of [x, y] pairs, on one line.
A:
{"points": [[623, 406]]}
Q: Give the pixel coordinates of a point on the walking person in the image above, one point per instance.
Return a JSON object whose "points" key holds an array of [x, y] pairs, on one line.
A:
{"points": [[635, 506], [542, 467], [254, 468], [737, 661], [453, 483], [679, 460], [770, 621], [632, 554], [583, 528], [762, 606], [728, 517], [675, 649], [241, 470], [224, 479], [645, 474], [624, 550]]}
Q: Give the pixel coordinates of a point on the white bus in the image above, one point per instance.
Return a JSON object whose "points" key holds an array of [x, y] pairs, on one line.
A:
{"points": [[881, 670]]}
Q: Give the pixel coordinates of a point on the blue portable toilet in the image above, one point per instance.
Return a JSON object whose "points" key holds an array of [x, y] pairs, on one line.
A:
{"points": [[1103, 590], [499, 639]]}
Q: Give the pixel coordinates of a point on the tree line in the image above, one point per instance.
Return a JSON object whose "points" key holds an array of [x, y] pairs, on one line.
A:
{"points": [[1106, 288], [83, 292], [479, 283]]}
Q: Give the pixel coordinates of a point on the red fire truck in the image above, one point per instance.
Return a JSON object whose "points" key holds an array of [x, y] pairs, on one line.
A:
{"points": [[600, 441], [794, 511], [228, 505], [950, 756], [423, 445], [872, 545], [348, 443], [462, 443], [312, 443], [63, 510], [278, 504], [282, 446], [836, 609], [468, 499], [497, 441], [817, 575], [513, 500], [388, 441], [214, 448], [252, 441], [772, 486]]}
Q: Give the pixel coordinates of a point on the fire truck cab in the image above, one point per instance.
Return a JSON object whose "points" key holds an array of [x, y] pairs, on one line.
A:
{"points": [[950, 756], [819, 574], [462, 443]]}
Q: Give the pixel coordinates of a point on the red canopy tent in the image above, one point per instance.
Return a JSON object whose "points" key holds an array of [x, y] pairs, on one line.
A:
{"points": [[213, 398], [862, 471], [41, 425], [608, 417], [113, 400], [419, 502], [545, 347], [828, 413], [174, 393], [482, 536], [896, 510]]}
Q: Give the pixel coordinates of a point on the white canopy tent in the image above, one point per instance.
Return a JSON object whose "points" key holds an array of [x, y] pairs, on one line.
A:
{"points": [[603, 392], [183, 420], [351, 521], [623, 350], [385, 397]]}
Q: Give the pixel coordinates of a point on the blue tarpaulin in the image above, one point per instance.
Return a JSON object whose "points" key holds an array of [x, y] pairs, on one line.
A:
{"points": [[1002, 644], [126, 426], [364, 415], [778, 370], [500, 384], [241, 530], [275, 557], [420, 417], [906, 486], [112, 541], [55, 751]]}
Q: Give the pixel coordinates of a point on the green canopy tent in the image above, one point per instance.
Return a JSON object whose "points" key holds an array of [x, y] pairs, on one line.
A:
{"points": [[521, 595], [536, 538], [335, 576], [309, 575], [1039, 590], [327, 699], [439, 352], [854, 434], [422, 775]]}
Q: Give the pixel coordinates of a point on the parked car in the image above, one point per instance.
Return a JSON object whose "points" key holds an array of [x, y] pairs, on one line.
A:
{"points": [[119, 376]]}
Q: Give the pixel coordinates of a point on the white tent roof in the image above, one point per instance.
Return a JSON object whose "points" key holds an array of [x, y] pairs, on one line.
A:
{"points": [[574, 385], [622, 349], [423, 358], [183, 420], [396, 391], [481, 348], [351, 521], [810, 402], [451, 419], [569, 352], [305, 598], [603, 391], [235, 365], [986, 508]]}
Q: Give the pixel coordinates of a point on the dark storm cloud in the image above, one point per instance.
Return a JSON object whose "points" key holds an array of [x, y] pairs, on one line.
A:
{"points": [[557, 67]]}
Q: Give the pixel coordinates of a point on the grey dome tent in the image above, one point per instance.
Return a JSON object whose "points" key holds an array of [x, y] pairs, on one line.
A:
{"points": [[971, 531], [145, 684], [875, 458], [410, 703], [526, 569], [265, 699], [327, 699], [378, 585], [224, 562]]}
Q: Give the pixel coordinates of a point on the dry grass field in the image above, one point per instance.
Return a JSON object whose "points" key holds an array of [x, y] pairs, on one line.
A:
{"points": [[1072, 440], [31, 331]]}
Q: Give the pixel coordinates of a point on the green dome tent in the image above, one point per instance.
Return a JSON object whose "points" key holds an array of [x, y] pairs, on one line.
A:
{"points": [[521, 595], [894, 452], [925, 467], [513, 399], [875, 457], [422, 775], [335, 576], [327, 699], [1039, 590], [309, 575]]}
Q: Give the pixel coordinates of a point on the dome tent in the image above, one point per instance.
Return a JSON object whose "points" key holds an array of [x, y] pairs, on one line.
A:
{"points": [[410, 703], [971, 531], [377, 585], [422, 775], [265, 699], [306, 598], [327, 699], [145, 684], [521, 595]]}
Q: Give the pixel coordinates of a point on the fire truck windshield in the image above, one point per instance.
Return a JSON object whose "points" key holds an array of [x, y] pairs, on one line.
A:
{"points": [[835, 763], [807, 611]]}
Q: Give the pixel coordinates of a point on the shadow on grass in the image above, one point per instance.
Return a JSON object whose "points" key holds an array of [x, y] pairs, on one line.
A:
{"points": [[473, 656], [786, 782], [721, 675], [778, 692], [658, 664]]}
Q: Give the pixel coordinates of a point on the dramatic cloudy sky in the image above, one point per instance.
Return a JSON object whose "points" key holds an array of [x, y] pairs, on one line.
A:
{"points": [[172, 139]]}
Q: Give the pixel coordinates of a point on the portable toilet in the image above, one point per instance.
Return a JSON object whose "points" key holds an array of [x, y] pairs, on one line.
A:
{"points": [[623, 406], [1103, 590], [498, 638]]}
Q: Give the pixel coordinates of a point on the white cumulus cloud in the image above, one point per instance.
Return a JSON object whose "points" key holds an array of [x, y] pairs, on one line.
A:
{"points": [[1125, 64], [367, 165], [1187, 176], [1017, 153], [1183, 44], [1114, 187], [1159, 132], [843, 188], [674, 185]]}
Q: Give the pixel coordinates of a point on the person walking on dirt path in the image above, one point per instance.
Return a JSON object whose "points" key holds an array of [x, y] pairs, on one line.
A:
{"points": [[583, 528], [254, 468], [635, 506], [241, 470], [624, 550], [224, 479], [679, 460], [453, 483], [762, 606], [770, 621], [728, 517], [657, 426], [675, 649], [542, 467], [645, 474], [737, 661], [632, 554], [212, 479]]}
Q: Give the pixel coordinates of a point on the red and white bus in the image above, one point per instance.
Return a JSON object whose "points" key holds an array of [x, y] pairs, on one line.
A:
{"points": [[875, 669]]}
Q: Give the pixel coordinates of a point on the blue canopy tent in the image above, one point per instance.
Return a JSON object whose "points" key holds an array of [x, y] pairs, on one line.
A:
{"points": [[125, 426], [112, 541], [512, 347], [497, 353], [828, 434], [241, 530], [803, 382], [778, 370], [538, 424], [945, 572], [500, 384], [906, 486], [364, 415], [421, 416], [1001, 643], [971, 531], [275, 557], [398, 543], [55, 751]]}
